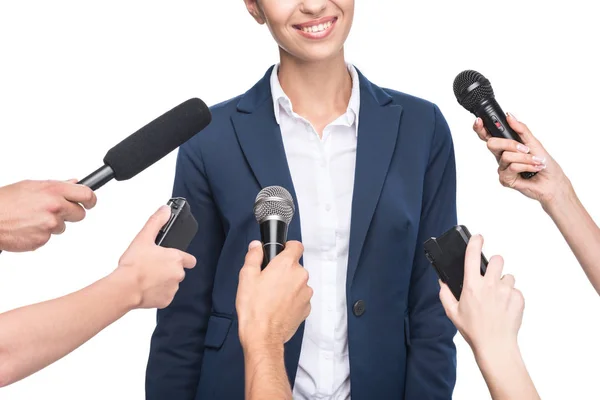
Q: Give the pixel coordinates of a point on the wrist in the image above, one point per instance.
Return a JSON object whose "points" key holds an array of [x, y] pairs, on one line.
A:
{"points": [[563, 195], [258, 336], [257, 349], [496, 356], [128, 283]]}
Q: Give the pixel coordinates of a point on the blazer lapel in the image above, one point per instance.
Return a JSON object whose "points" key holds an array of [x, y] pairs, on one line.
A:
{"points": [[379, 120], [260, 139]]}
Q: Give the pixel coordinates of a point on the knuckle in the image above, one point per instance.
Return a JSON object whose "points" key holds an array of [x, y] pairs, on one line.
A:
{"points": [[303, 275], [53, 206], [298, 245], [180, 275], [51, 223]]}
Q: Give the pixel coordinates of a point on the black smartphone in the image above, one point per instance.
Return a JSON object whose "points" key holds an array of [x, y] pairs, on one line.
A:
{"points": [[181, 228], [447, 256]]}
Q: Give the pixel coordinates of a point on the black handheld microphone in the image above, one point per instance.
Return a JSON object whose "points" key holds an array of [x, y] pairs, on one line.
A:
{"points": [[151, 143], [474, 92], [273, 209]]}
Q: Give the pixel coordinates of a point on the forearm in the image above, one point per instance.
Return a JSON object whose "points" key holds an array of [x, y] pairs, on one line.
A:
{"points": [[266, 377], [35, 336], [506, 375], [579, 230]]}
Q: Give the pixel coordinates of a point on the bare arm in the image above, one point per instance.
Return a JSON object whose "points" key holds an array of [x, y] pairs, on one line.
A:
{"points": [[506, 375], [35, 336], [266, 377], [579, 230]]}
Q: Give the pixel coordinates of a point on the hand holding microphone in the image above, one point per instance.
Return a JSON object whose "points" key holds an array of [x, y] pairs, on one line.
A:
{"points": [[272, 303], [32, 211], [514, 157], [474, 92]]}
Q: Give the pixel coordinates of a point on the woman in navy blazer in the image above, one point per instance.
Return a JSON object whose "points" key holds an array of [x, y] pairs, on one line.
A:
{"points": [[392, 338]]}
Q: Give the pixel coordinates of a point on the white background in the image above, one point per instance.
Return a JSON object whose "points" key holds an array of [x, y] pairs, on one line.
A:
{"points": [[77, 77]]}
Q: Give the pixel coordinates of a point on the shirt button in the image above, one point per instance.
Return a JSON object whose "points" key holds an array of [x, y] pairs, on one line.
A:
{"points": [[323, 164], [328, 207], [359, 308]]}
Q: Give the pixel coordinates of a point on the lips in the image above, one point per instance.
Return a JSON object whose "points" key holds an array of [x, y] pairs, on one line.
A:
{"points": [[317, 29]]}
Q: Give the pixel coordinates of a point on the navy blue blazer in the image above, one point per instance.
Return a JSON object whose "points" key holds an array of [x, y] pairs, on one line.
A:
{"points": [[401, 347]]}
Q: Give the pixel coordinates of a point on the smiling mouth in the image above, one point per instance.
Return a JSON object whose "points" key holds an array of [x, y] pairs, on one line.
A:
{"points": [[320, 27]]}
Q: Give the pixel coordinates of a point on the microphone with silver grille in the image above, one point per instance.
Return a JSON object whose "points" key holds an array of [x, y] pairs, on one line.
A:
{"points": [[474, 92], [273, 209]]}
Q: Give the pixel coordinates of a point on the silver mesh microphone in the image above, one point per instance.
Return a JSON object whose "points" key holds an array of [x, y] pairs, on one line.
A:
{"points": [[274, 210]]}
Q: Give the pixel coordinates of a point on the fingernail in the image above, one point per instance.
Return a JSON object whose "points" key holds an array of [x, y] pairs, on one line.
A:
{"points": [[511, 116], [522, 148], [477, 121], [440, 282], [253, 244], [539, 160], [540, 167]]}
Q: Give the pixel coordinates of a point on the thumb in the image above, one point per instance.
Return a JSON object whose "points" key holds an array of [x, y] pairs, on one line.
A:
{"points": [[254, 257], [150, 231], [448, 301]]}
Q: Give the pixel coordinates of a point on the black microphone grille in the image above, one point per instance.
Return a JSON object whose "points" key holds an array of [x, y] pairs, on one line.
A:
{"points": [[274, 202], [157, 139], [471, 88]]}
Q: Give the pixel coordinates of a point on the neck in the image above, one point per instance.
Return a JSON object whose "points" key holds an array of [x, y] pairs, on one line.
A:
{"points": [[318, 90]]}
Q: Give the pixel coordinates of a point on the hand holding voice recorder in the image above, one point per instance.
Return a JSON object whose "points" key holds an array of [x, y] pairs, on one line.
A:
{"points": [[447, 256], [181, 228]]}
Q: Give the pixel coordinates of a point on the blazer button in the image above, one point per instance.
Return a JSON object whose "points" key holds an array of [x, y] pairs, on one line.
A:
{"points": [[359, 308]]}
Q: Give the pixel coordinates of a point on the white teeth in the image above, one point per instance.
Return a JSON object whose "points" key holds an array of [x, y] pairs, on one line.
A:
{"points": [[317, 28]]}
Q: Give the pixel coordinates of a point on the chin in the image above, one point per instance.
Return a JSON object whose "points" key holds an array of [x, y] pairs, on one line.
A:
{"points": [[318, 55]]}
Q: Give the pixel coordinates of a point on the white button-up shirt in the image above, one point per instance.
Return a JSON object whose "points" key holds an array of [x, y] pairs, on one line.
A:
{"points": [[322, 170]]}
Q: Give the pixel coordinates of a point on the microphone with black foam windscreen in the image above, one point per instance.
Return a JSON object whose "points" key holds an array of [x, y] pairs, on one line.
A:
{"points": [[273, 209], [151, 143], [474, 92]]}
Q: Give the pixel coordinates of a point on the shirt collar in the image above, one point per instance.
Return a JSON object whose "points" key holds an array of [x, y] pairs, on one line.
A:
{"points": [[282, 102]]}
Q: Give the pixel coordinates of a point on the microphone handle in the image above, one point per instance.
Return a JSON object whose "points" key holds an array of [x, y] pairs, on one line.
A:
{"points": [[494, 119], [273, 235], [98, 178]]}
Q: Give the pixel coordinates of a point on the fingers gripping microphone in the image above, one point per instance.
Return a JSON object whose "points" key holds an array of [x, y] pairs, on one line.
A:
{"points": [[151, 143], [474, 92], [273, 209]]}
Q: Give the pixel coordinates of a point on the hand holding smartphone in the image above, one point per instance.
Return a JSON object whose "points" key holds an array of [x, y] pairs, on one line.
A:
{"points": [[447, 256]]}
